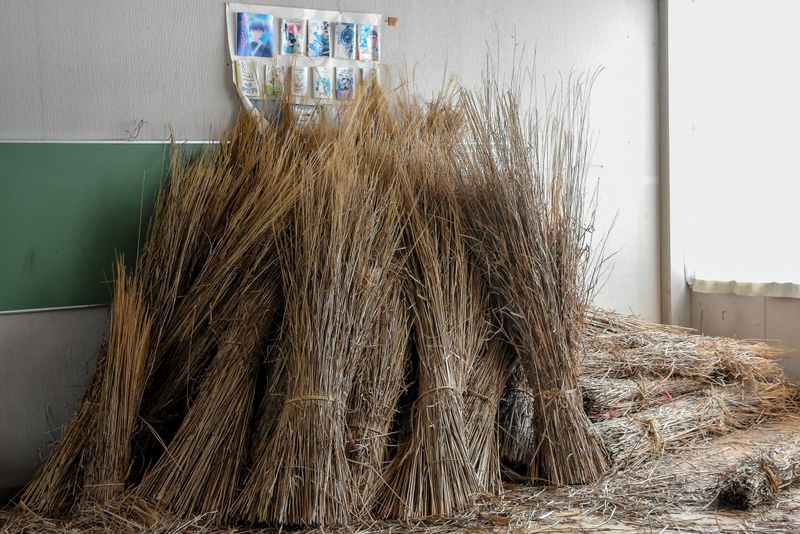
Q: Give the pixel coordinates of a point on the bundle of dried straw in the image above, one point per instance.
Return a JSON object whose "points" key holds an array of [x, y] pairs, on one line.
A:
{"points": [[373, 402], [127, 369], [607, 398], [758, 478], [517, 429], [625, 347], [482, 401], [433, 473], [637, 438], [212, 433], [529, 228], [336, 261]]}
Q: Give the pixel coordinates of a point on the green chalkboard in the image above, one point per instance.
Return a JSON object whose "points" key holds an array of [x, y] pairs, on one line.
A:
{"points": [[65, 210]]}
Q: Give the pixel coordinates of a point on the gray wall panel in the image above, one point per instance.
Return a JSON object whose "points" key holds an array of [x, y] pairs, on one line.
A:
{"points": [[46, 358]]}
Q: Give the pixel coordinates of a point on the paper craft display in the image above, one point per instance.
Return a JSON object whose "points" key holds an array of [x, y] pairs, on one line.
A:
{"points": [[323, 83], [254, 35], [311, 59], [345, 46], [293, 37], [304, 113], [299, 81], [247, 78], [345, 84], [319, 38], [368, 42], [273, 80]]}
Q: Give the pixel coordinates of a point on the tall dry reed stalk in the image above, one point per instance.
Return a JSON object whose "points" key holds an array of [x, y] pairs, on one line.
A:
{"points": [[204, 464], [433, 473], [127, 370], [482, 399], [376, 392], [529, 226], [336, 265]]}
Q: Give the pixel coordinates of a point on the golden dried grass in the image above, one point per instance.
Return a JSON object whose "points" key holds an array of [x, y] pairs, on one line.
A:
{"points": [[530, 231]]}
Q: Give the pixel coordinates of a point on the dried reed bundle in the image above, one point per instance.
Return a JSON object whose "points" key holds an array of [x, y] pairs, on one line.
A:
{"points": [[272, 397], [482, 398], [58, 482], [607, 398], [203, 465], [126, 372], [517, 429], [257, 171], [192, 215], [373, 402], [529, 227], [189, 215], [637, 438], [758, 478], [336, 264], [433, 474], [123, 515], [623, 347], [93, 457]]}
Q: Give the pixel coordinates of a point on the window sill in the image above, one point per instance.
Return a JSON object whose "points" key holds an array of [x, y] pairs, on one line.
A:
{"points": [[747, 289]]}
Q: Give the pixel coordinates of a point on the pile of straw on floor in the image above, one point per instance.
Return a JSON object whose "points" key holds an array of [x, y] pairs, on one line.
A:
{"points": [[758, 478], [368, 319]]}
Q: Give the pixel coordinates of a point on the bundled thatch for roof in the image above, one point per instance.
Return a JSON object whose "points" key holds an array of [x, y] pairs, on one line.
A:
{"points": [[758, 478], [93, 459], [212, 433], [251, 186], [607, 398], [639, 437], [482, 401], [433, 474], [376, 392], [336, 261], [529, 228], [127, 370], [517, 428], [603, 398], [625, 347]]}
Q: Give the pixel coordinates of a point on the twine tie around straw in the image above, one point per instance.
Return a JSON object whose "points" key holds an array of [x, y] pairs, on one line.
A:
{"points": [[313, 398], [366, 429], [434, 390], [478, 396]]}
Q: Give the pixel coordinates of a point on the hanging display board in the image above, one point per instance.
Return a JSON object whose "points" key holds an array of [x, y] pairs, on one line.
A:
{"points": [[313, 57]]}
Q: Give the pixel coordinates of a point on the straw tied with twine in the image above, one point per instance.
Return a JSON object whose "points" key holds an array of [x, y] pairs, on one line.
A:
{"points": [[298, 283]]}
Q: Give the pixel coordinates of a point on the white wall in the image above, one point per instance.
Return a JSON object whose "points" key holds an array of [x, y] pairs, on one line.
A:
{"points": [[89, 70]]}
